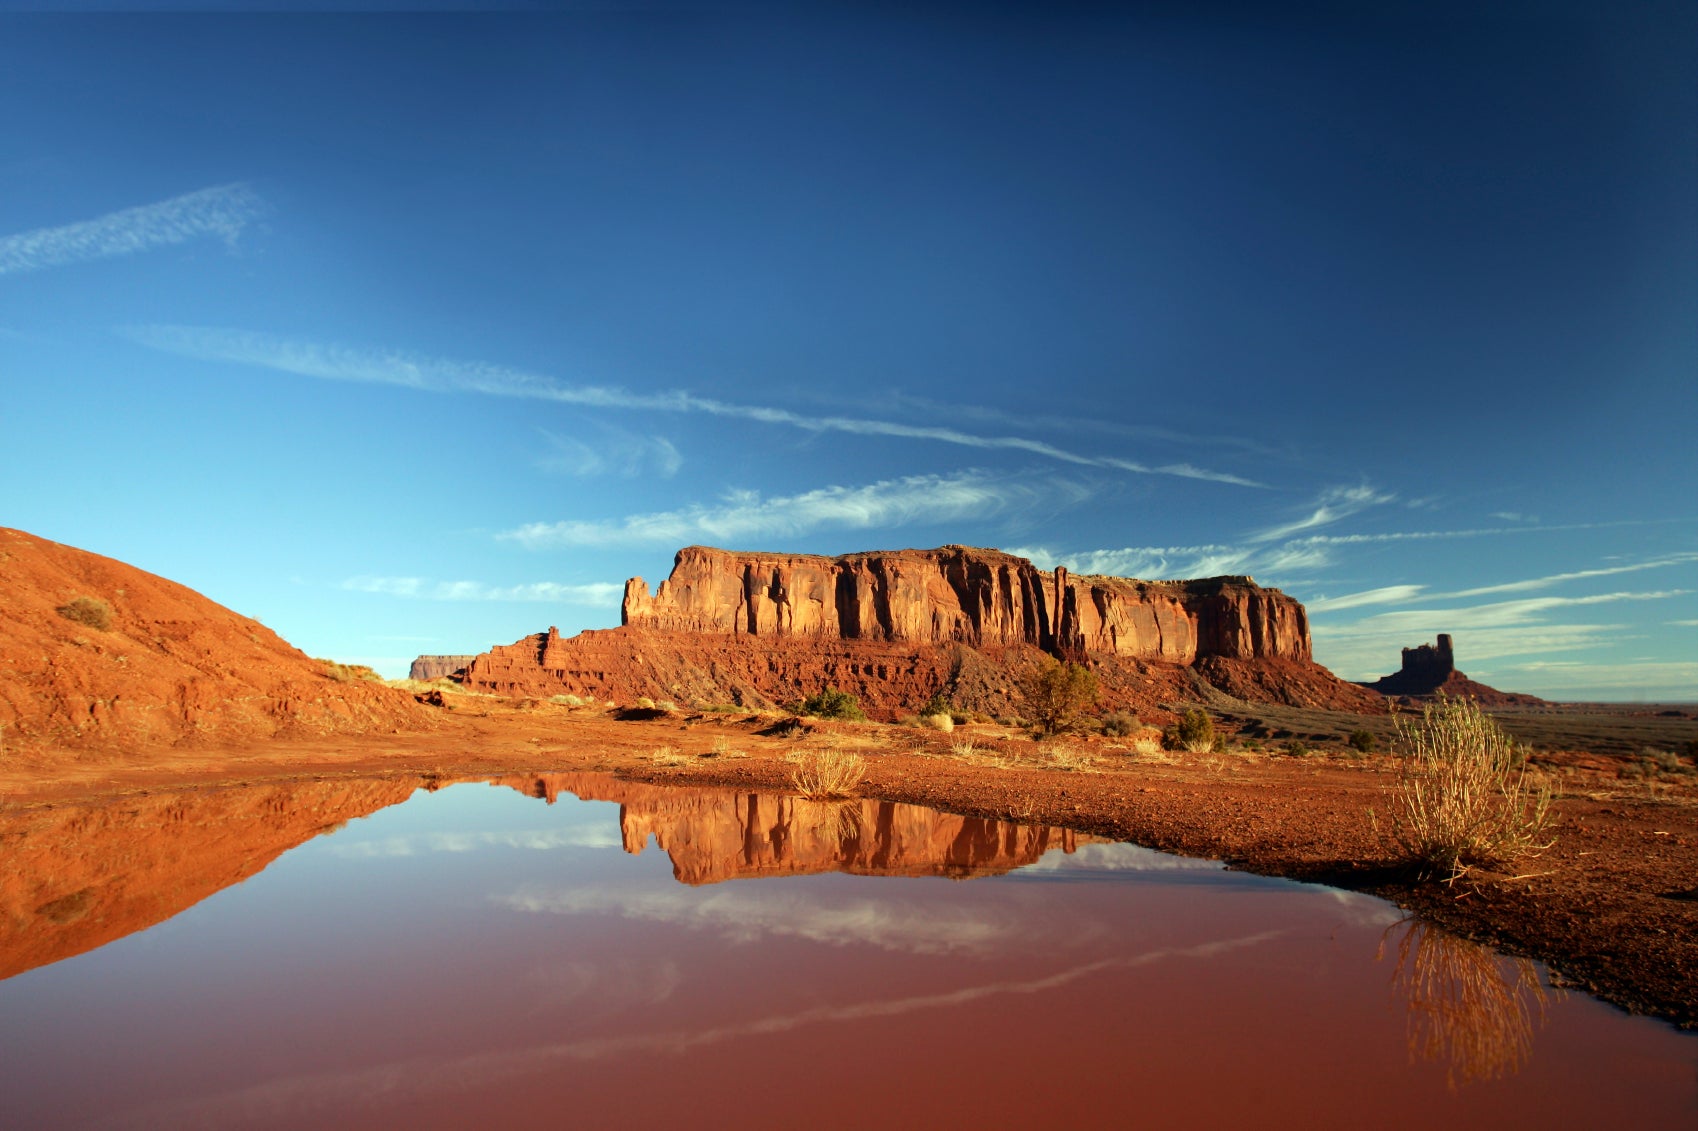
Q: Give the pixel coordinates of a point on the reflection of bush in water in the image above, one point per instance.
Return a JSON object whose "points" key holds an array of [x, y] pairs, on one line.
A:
{"points": [[1467, 1005]]}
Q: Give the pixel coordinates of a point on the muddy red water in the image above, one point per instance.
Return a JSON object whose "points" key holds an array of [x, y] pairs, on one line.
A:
{"points": [[523, 957]]}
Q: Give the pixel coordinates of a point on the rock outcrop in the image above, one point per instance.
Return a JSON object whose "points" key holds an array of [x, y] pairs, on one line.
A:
{"points": [[427, 668], [1430, 670], [895, 627], [960, 595], [96, 652]]}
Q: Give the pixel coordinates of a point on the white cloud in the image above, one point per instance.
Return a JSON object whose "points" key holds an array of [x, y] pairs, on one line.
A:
{"points": [[1576, 575], [596, 593], [1334, 504], [222, 211], [1669, 680], [440, 375], [1515, 516], [1385, 595], [1371, 646], [614, 452], [890, 502]]}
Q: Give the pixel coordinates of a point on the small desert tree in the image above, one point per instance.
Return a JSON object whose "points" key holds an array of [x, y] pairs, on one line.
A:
{"points": [[1463, 798], [1053, 694], [831, 703], [1195, 732]]}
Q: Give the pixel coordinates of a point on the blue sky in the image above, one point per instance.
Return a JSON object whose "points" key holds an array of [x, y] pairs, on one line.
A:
{"points": [[417, 332]]}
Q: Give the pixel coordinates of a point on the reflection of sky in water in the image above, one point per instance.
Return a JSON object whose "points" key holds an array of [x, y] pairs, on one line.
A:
{"points": [[429, 965]]}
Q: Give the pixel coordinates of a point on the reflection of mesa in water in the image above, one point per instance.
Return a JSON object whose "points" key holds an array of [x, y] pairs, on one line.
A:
{"points": [[74, 878], [715, 835]]}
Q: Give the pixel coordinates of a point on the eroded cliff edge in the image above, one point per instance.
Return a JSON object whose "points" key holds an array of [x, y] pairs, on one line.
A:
{"points": [[894, 627]]}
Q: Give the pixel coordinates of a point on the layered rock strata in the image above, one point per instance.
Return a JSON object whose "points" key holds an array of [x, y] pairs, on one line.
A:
{"points": [[960, 595], [896, 627]]}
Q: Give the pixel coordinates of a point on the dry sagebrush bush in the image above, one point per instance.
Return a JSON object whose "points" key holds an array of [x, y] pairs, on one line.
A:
{"points": [[1463, 796], [828, 771]]}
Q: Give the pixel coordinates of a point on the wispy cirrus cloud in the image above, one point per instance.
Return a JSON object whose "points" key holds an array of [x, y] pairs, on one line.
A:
{"points": [[596, 593], [1385, 595], [221, 211], [614, 451], [1521, 627], [887, 503], [1209, 560], [1334, 504], [390, 367]]}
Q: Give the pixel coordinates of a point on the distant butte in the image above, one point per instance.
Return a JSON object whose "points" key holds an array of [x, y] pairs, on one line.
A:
{"points": [[1430, 670], [896, 627]]}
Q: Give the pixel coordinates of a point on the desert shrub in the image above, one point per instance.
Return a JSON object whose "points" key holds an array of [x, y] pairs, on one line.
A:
{"points": [[567, 700], [1297, 748], [1463, 797], [1194, 732], [960, 718], [938, 704], [89, 611], [827, 772], [1053, 694], [831, 703], [1120, 724], [645, 703], [666, 705], [1665, 760], [1362, 740], [342, 673], [939, 721], [667, 756]]}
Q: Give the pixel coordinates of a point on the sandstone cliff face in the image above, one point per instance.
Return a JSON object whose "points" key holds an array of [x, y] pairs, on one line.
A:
{"points": [[893, 628], [967, 596]]}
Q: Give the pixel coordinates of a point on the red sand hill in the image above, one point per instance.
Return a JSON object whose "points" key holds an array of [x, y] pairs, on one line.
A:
{"points": [[142, 660], [896, 627]]}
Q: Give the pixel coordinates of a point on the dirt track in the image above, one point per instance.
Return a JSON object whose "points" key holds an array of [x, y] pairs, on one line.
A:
{"points": [[1611, 908]]}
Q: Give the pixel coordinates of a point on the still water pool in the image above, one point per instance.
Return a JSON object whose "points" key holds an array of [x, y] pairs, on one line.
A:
{"points": [[573, 950]]}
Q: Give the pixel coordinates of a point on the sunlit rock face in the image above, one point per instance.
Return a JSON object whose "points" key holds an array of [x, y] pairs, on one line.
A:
{"points": [[716, 835], [961, 595], [896, 627]]}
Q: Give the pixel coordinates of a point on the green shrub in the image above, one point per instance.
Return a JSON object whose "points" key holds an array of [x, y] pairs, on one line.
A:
{"points": [[938, 704], [1297, 748], [1053, 694], [1194, 732], [1362, 740], [90, 611], [831, 703]]}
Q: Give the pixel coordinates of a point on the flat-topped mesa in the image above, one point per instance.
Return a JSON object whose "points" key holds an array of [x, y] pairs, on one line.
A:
{"points": [[958, 594]]}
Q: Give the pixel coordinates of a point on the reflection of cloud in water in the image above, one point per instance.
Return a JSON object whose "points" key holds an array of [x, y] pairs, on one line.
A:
{"points": [[1468, 1006], [537, 839], [613, 986], [1364, 910], [743, 916], [1121, 858], [295, 1099]]}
